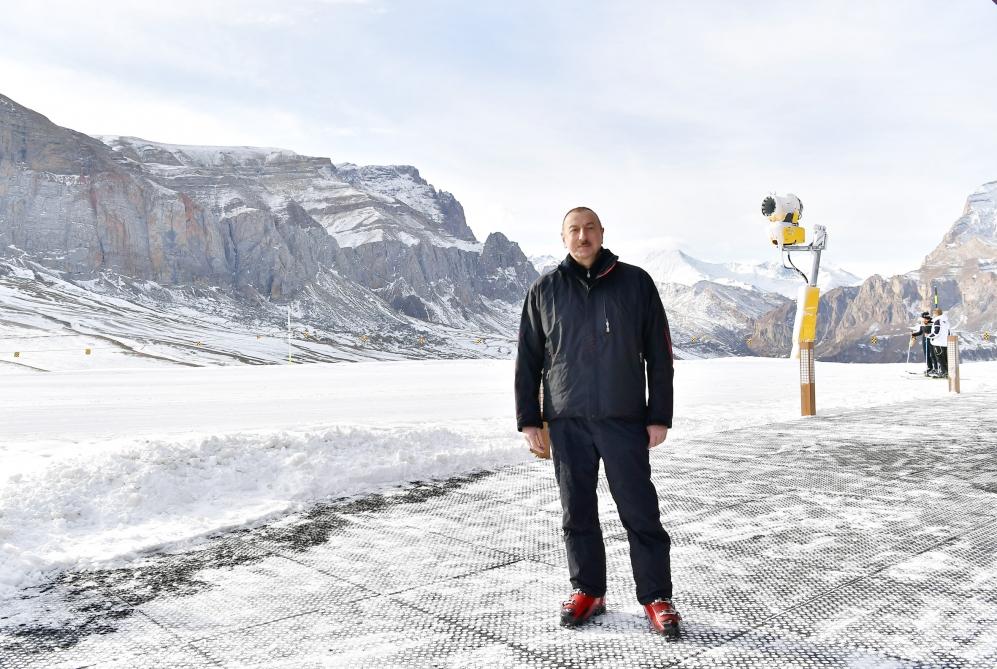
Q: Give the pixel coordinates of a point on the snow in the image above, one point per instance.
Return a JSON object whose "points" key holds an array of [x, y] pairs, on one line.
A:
{"points": [[237, 211], [203, 156], [365, 225], [675, 266], [396, 182], [129, 323], [545, 263], [100, 464]]}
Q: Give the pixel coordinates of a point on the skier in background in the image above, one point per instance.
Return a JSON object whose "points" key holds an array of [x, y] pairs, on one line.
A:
{"points": [[590, 330], [929, 351], [940, 340]]}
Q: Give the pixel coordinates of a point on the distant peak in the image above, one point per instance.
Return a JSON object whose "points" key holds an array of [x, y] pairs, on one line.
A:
{"points": [[383, 171], [496, 237]]}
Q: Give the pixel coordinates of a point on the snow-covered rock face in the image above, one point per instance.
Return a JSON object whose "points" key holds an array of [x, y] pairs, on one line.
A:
{"points": [[711, 319], [545, 263], [355, 205], [403, 184], [971, 242], [190, 156], [388, 229], [259, 222]]}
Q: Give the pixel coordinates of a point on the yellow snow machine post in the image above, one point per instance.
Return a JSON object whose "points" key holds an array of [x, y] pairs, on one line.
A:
{"points": [[784, 213]]}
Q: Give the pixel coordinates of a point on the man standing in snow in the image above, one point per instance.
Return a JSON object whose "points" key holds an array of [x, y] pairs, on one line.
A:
{"points": [[590, 330], [940, 341]]}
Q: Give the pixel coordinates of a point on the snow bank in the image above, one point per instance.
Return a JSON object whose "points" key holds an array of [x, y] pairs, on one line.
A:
{"points": [[98, 465], [137, 494]]}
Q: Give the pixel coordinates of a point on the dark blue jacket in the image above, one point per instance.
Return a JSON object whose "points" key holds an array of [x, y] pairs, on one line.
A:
{"points": [[599, 340]]}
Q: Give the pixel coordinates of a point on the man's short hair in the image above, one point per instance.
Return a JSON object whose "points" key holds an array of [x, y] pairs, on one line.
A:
{"points": [[578, 210], [938, 312]]}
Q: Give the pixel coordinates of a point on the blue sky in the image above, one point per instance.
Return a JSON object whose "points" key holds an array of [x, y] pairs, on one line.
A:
{"points": [[672, 119]]}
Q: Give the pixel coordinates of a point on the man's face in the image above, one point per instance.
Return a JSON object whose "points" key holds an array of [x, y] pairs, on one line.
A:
{"points": [[582, 236]]}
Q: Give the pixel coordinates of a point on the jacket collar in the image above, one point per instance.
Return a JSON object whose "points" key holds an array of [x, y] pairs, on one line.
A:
{"points": [[604, 262]]}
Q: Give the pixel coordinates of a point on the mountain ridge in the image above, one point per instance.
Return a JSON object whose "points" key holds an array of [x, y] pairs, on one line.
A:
{"points": [[378, 254], [677, 266], [266, 223]]}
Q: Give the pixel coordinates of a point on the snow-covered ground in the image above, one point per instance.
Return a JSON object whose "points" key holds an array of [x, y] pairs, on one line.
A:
{"points": [[96, 465]]}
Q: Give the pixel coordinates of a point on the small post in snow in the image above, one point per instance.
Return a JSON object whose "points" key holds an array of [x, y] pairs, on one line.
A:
{"points": [[953, 355], [289, 334], [808, 391]]}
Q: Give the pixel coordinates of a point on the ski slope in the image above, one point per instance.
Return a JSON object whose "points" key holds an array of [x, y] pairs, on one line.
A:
{"points": [[97, 465]]}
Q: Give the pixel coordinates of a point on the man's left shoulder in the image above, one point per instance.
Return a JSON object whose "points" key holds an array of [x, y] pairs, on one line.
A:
{"points": [[633, 271]]}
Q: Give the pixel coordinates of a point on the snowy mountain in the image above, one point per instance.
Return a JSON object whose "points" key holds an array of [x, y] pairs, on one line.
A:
{"points": [[971, 242], [100, 237], [872, 322], [389, 229], [545, 263], [360, 250], [356, 205], [675, 266], [711, 319]]}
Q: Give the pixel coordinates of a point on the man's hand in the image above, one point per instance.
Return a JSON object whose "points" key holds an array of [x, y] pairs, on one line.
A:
{"points": [[655, 435], [534, 437]]}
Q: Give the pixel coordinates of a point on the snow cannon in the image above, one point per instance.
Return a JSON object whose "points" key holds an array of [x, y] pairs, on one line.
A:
{"points": [[784, 211]]}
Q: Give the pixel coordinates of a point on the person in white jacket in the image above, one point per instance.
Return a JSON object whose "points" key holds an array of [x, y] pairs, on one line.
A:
{"points": [[940, 340]]}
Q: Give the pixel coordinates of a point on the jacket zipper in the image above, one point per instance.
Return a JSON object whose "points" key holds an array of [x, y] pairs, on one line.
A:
{"points": [[594, 400]]}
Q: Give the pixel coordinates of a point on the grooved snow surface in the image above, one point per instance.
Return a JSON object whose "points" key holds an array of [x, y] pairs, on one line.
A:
{"points": [[97, 465]]}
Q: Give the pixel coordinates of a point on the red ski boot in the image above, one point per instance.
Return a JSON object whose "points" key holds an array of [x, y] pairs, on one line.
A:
{"points": [[580, 607], [663, 617]]}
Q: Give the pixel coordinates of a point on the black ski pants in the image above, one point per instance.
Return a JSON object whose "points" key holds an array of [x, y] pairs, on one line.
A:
{"points": [[929, 355], [942, 357], [578, 445]]}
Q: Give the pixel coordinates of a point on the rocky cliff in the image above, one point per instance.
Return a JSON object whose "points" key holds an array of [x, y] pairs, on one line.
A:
{"points": [[710, 319], [268, 225]]}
